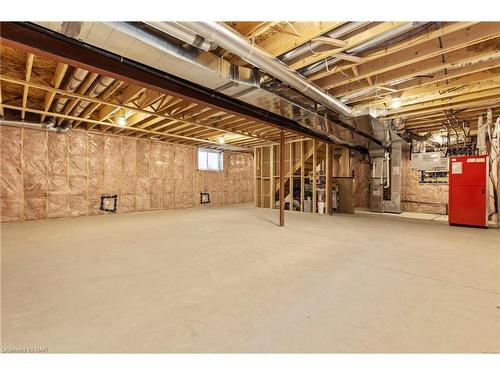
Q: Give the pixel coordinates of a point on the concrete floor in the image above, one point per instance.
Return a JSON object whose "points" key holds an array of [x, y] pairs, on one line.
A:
{"points": [[229, 280]]}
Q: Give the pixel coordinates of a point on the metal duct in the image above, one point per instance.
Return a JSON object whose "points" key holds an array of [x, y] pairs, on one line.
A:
{"points": [[102, 84], [226, 71], [309, 46], [320, 65], [358, 94], [136, 43], [398, 125], [235, 43], [237, 81], [183, 34], [75, 80], [32, 125]]}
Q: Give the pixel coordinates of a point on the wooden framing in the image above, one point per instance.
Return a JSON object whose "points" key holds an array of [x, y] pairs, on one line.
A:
{"points": [[412, 66], [34, 39], [282, 179], [460, 73], [28, 70], [314, 176], [1, 107], [272, 159], [351, 42], [329, 171], [57, 80]]}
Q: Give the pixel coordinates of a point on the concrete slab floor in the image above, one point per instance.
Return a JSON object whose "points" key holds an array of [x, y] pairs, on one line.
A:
{"points": [[230, 280]]}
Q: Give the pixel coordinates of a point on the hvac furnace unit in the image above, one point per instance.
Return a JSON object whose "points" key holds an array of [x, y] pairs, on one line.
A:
{"points": [[468, 195]]}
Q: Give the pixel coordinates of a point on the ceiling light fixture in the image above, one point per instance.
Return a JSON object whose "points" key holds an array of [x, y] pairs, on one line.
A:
{"points": [[395, 103], [221, 140], [122, 121]]}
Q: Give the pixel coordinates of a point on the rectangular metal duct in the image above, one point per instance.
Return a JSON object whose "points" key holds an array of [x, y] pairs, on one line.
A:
{"points": [[203, 68]]}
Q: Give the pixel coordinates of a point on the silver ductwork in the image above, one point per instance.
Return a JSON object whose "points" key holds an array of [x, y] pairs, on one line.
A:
{"points": [[320, 65], [240, 82], [310, 46], [183, 34], [228, 74], [235, 43], [134, 41], [34, 125], [75, 80], [102, 84], [358, 94], [386, 167]]}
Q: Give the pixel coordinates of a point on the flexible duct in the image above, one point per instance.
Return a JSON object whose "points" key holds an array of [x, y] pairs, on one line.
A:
{"points": [[320, 65], [102, 84], [235, 43], [183, 34], [458, 65], [75, 80], [310, 46]]}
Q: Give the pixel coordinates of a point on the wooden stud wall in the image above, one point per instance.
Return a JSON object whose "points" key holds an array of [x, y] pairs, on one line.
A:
{"points": [[300, 157]]}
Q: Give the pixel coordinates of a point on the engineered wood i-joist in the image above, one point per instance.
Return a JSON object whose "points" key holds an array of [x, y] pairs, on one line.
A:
{"points": [[109, 108], [59, 73], [28, 69]]}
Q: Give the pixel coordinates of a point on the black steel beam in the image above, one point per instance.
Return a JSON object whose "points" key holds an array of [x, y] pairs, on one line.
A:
{"points": [[44, 42]]}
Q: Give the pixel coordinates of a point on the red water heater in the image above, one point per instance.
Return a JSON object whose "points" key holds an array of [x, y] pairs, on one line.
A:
{"points": [[467, 194]]}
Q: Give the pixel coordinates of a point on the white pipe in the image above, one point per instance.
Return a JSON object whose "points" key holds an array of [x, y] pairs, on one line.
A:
{"points": [[387, 165], [235, 43], [29, 125], [183, 34]]}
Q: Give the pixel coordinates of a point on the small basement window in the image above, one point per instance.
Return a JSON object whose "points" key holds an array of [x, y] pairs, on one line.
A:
{"points": [[210, 160]]}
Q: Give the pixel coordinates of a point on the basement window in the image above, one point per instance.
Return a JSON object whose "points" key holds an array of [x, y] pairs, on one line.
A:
{"points": [[210, 160]]}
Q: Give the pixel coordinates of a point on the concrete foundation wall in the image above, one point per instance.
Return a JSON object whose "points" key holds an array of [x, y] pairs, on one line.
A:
{"points": [[50, 175]]}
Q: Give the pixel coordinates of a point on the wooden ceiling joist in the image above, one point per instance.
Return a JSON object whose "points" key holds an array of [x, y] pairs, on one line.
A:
{"points": [[28, 70], [59, 73], [408, 58], [35, 39]]}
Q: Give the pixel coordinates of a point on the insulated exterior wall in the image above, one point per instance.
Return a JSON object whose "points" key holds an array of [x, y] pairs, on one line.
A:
{"points": [[417, 197], [231, 186], [12, 182], [52, 175]]}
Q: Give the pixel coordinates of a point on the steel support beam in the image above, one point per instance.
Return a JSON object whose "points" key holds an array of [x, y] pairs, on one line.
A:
{"points": [[44, 42], [282, 178]]}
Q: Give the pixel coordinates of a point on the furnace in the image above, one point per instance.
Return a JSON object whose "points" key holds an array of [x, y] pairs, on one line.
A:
{"points": [[468, 195]]}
